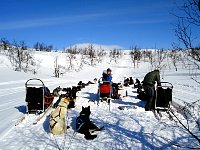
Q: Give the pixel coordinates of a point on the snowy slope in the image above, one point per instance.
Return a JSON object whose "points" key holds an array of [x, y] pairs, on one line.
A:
{"points": [[124, 129]]}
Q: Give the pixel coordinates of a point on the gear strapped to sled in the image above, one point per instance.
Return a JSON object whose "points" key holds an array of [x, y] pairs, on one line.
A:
{"points": [[163, 96], [104, 91], [38, 96]]}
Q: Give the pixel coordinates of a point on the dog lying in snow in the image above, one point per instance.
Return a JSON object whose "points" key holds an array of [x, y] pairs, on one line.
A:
{"points": [[128, 81], [142, 95], [95, 80], [83, 85], [131, 81], [57, 121], [84, 125], [137, 84]]}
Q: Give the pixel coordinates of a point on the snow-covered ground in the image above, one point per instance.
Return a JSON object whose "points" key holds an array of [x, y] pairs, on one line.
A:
{"points": [[124, 129]]}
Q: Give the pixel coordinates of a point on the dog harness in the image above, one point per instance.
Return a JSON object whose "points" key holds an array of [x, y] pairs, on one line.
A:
{"points": [[80, 121], [55, 122]]}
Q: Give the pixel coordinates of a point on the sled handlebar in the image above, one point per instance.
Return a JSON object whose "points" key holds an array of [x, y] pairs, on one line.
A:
{"points": [[100, 79], [34, 84], [170, 84]]}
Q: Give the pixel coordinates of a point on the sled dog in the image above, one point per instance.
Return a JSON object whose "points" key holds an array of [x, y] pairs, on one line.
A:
{"points": [[84, 125], [57, 121], [57, 91]]}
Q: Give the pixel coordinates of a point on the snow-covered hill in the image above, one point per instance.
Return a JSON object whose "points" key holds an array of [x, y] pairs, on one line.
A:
{"points": [[96, 46], [124, 129]]}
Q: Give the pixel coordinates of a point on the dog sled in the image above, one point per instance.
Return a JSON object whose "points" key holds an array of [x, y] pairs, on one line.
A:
{"points": [[38, 96], [163, 96], [163, 99], [104, 91]]}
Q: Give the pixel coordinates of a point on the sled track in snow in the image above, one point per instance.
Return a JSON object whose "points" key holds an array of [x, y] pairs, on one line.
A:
{"points": [[12, 82], [11, 91], [27, 127]]}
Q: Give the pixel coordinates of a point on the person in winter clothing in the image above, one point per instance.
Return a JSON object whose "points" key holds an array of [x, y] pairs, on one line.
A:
{"points": [[149, 87], [107, 75]]}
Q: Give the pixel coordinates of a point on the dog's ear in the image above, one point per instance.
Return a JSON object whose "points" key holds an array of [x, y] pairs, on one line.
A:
{"points": [[89, 107], [82, 107]]}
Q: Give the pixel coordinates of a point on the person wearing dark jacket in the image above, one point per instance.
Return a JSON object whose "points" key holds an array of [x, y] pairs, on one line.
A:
{"points": [[149, 87]]}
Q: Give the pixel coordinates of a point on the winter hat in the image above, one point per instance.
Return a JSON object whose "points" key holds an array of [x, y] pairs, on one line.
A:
{"points": [[109, 70]]}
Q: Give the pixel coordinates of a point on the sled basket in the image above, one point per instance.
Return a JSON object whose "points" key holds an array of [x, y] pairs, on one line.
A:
{"points": [[38, 97], [163, 96], [105, 89]]}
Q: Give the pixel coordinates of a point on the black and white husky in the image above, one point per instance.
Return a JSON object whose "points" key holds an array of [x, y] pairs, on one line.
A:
{"points": [[84, 125]]}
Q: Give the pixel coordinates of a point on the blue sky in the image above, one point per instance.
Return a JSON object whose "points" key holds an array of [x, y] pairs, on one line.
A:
{"points": [[145, 23]]}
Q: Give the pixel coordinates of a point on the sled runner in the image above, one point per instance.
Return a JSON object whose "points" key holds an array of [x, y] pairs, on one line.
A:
{"points": [[127, 107], [38, 96], [163, 96]]}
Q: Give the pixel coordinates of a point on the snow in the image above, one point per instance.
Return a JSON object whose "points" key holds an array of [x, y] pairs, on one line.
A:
{"points": [[124, 129]]}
